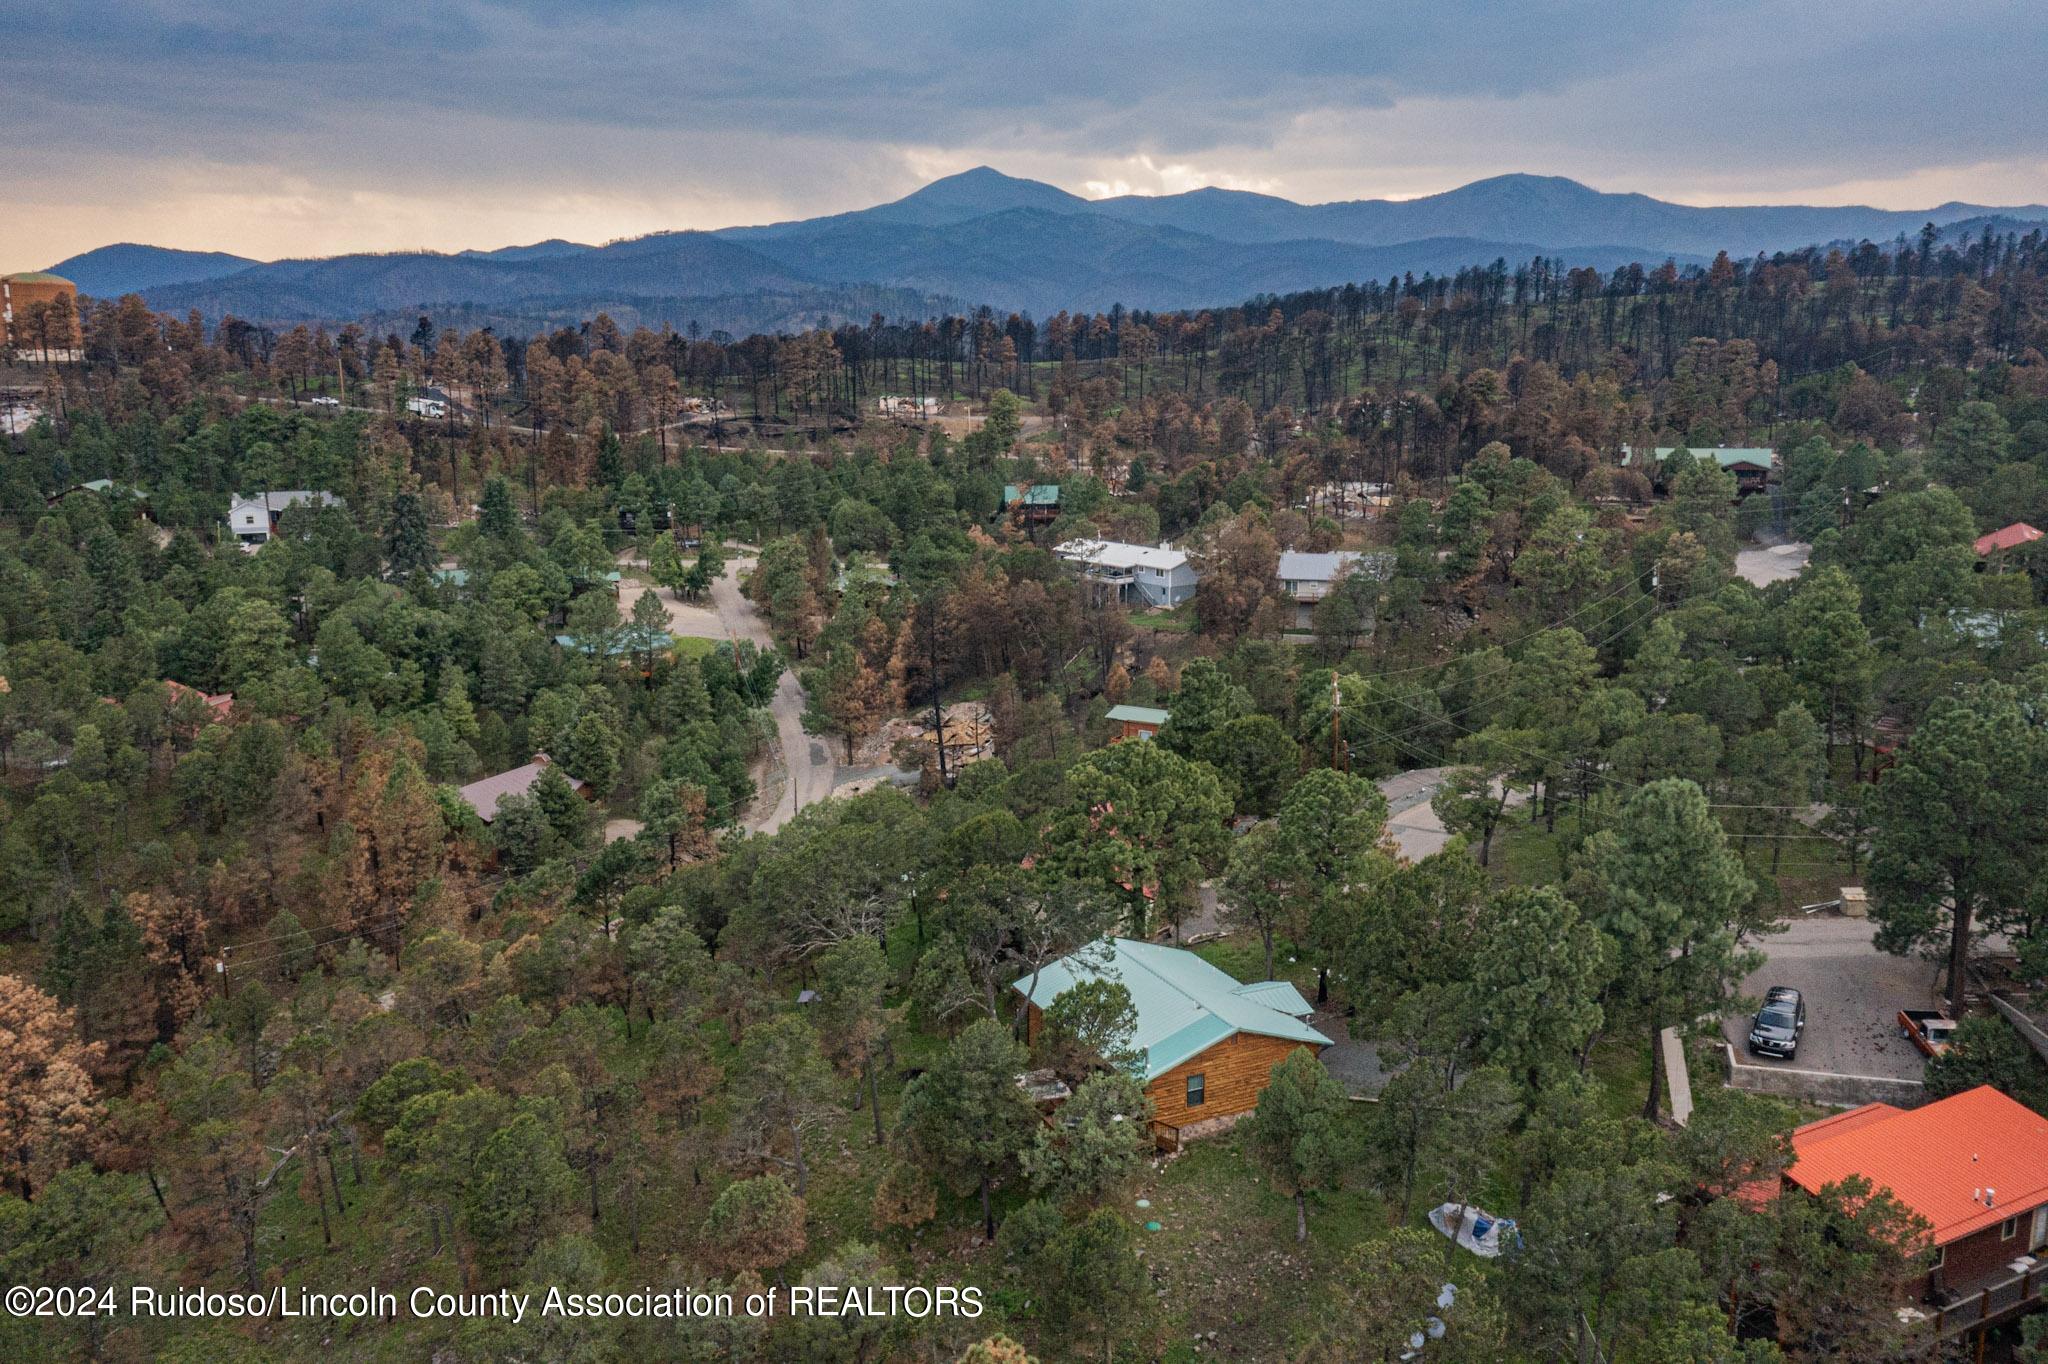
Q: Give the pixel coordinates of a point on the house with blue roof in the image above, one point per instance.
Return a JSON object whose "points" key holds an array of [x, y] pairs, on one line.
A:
{"points": [[1208, 1042]]}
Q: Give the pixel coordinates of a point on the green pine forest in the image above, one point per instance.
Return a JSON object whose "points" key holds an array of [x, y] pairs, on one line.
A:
{"points": [[278, 1008]]}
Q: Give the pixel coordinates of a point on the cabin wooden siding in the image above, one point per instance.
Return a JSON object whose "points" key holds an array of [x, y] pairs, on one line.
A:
{"points": [[1234, 1073], [1136, 729]]}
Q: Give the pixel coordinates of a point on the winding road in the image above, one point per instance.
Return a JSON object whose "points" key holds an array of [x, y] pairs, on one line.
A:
{"points": [[809, 772]]}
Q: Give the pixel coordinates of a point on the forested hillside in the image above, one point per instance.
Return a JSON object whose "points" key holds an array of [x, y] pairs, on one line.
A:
{"points": [[1018, 245], [280, 1005]]}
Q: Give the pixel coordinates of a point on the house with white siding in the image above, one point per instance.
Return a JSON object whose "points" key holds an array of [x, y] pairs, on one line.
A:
{"points": [[1148, 575], [252, 517]]}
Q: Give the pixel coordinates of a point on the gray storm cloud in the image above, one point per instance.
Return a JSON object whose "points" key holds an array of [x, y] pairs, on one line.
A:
{"points": [[383, 124]]}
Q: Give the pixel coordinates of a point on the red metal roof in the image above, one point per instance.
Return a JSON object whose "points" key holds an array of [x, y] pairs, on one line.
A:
{"points": [[2016, 534], [219, 704], [1938, 1160]]}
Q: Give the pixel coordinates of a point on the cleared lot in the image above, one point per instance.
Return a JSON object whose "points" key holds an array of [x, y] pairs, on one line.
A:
{"points": [[1764, 565], [1852, 993]]}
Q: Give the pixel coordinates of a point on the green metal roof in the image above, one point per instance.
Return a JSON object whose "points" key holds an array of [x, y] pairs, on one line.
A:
{"points": [[1139, 715], [1035, 495], [35, 277], [1727, 456], [1184, 1005], [629, 639]]}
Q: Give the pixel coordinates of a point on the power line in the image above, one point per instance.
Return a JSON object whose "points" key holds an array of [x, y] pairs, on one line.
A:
{"points": [[1635, 610], [233, 963], [1507, 665]]}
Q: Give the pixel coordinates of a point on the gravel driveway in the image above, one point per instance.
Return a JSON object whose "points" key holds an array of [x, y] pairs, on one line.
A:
{"points": [[1767, 564], [1852, 993]]}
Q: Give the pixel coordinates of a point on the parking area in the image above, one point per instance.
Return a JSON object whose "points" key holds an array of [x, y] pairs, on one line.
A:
{"points": [[1852, 993]]}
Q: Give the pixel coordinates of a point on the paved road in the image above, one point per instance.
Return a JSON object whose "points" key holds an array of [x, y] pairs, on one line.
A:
{"points": [[809, 772], [808, 768], [1852, 992], [1767, 564], [1415, 827]]}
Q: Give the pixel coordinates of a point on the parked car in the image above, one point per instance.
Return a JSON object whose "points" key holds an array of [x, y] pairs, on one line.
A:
{"points": [[1775, 1029], [1931, 1030], [324, 401]]}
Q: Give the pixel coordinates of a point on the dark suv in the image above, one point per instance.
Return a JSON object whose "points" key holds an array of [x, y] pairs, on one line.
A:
{"points": [[1775, 1029]]}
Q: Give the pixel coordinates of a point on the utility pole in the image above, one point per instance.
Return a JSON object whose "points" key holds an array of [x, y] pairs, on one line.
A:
{"points": [[1336, 723], [938, 711]]}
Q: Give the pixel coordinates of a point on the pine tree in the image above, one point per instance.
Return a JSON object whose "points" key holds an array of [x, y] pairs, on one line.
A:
{"points": [[1297, 1134], [408, 542], [496, 518], [589, 751], [964, 1120]]}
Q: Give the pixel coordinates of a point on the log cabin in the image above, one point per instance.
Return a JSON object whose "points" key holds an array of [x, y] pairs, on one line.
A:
{"points": [[1136, 722], [1208, 1043]]}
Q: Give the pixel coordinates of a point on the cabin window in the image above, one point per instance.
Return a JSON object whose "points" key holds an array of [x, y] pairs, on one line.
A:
{"points": [[2009, 1228], [1196, 1092]]}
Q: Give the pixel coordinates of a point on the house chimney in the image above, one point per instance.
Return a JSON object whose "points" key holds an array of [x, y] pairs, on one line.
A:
{"points": [[1990, 1198]]}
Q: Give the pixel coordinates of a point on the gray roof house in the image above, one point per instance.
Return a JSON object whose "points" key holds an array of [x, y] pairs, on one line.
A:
{"points": [[485, 794], [1305, 578], [1149, 575], [252, 517]]}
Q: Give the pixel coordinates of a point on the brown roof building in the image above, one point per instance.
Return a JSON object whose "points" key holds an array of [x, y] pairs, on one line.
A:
{"points": [[39, 315]]}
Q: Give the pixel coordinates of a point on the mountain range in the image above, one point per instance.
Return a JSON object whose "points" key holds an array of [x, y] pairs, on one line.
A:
{"points": [[982, 237]]}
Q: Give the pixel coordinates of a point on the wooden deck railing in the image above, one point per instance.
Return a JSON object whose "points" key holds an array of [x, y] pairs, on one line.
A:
{"points": [[1988, 1301]]}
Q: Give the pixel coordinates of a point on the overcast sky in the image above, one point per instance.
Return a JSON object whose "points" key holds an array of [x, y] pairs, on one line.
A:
{"points": [[314, 127]]}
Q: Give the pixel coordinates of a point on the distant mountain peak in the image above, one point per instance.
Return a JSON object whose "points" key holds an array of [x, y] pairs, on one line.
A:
{"points": [[130, 267], [972, 193], [545, 250], [984, 237]]}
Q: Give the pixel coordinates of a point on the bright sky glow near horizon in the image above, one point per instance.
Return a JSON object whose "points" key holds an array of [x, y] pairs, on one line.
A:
{"points": [[323, 127]]}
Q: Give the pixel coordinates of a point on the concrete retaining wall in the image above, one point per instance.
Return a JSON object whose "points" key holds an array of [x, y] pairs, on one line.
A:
{"points": [[1822, 1087], [2022, 1024]]}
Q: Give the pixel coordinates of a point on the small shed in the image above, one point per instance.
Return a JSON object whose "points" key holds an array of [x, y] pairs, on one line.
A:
{"points": [[1136, 722]]}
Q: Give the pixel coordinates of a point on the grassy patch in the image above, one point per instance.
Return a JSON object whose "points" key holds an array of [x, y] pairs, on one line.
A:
{"points": [[1524, 853], [1180, 620], [695, 646], [1621, 1065], [1243, 956], [1226, 1255]]}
